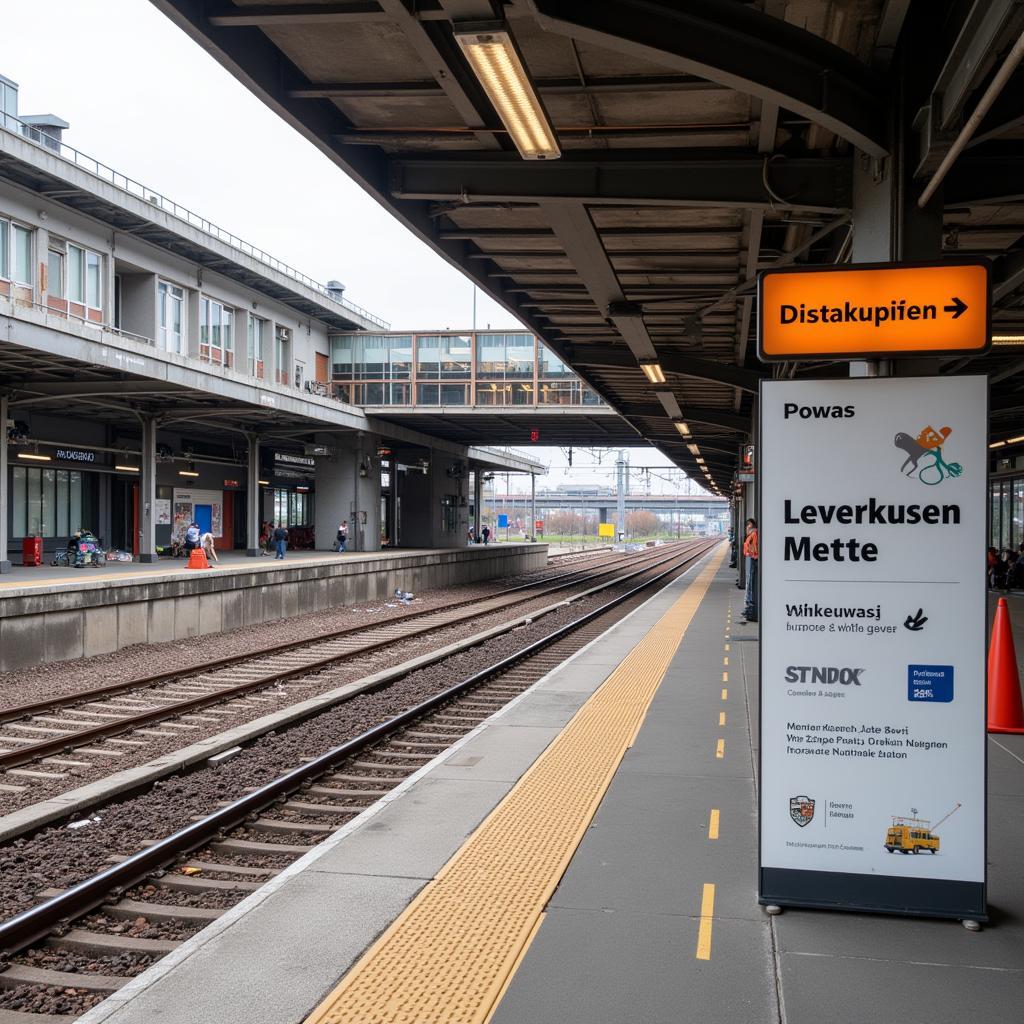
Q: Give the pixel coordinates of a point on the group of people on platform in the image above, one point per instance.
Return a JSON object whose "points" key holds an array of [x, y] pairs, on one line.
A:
{"points": [[273, 538], [198, 538], [483, 537], [1005, 568]]}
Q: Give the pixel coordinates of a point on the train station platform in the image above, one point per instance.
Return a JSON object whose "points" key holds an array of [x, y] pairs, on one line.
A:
{"points": [[50, 613], [589, 856]]}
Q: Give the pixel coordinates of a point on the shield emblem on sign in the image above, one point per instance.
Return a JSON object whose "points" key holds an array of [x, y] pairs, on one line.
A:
{"points": [[801, 810]]}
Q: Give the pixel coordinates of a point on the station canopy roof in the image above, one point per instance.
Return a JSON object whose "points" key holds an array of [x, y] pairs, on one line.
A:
{"points": [[698, 143]]}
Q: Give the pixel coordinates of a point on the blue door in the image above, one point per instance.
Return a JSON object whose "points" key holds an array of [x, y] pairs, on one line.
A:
{"points": [[204, 517]]}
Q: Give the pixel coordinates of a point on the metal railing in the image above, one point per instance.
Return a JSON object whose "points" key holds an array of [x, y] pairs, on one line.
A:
{"points": [[39, 137]]}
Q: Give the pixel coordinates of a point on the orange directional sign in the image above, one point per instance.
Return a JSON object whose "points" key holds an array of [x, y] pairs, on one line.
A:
{"points": [[874, 311]]}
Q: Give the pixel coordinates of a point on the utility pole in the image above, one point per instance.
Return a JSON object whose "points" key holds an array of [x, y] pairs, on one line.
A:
{"points": [[621, 478]]}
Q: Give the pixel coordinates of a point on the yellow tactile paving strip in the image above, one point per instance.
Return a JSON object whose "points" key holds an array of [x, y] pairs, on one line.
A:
{"points": [[448, 958]]}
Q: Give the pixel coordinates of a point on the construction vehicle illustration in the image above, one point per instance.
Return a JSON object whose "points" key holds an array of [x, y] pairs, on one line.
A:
{"points": [[914, 834]]}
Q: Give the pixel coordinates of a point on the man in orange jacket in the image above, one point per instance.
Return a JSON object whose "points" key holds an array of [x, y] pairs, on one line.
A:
{"points": [[751, 552]]}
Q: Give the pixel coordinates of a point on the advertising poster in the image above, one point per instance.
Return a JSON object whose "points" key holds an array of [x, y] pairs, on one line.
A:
{"points": [[873, 613]]}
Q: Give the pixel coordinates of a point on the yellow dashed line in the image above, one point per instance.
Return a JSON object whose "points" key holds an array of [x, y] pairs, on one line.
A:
{"points": [[713, 824], [707, 911], [721, 718], [725, 693], [720, 748], [449, 955]]}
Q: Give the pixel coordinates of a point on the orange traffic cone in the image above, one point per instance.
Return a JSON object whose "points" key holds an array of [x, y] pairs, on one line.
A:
{"points": [[197, 559], [1005, 708]]}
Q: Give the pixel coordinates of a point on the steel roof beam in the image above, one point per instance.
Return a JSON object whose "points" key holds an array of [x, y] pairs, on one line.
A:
{"points": [[692, 414], [986, 30], [671, 178], [1009, 276], [575, 230], [554, 86], [740, 48], [436, 47], [671, 362], [275, 15]]}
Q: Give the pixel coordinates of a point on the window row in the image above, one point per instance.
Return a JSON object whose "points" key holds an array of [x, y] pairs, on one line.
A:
{"points": [[399, 393], [73, 273], [49, 502], [1006, 500], [15, 253], [292, 508], [442, 357]]}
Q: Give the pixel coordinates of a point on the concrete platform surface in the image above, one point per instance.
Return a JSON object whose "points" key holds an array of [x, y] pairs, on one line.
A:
{"points": [[389, 852]]}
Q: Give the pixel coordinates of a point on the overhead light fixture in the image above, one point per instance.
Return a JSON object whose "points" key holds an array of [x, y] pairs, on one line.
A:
{"points": [[190, 470], [127, 469], [682, 427], [994, 444], [302, 490], [1015, 440], [693, 449], [496, 63], [33, 457], [653, 371], [1008, 339], [263, 483]]}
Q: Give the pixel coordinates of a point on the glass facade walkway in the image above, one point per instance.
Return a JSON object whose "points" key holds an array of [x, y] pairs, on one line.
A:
{"points": [[471, 368]]}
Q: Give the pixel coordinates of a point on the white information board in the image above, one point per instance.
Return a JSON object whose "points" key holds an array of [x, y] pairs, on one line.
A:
{"points": [[873, 538]]}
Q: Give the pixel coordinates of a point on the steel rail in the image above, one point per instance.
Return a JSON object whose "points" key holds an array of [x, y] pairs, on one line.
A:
{"points": [[36, 922], [83, 696], [68, 741]]}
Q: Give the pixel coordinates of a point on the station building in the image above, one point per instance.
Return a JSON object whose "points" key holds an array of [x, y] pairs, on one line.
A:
{"points": [[159, 370]]}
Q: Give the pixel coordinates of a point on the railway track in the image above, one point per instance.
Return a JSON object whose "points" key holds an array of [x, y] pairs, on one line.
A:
{"points": [[67, 730], [76, 947]]}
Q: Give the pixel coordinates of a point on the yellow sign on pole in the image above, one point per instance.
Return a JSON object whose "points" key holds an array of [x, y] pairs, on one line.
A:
{"points": [[606, 529]]}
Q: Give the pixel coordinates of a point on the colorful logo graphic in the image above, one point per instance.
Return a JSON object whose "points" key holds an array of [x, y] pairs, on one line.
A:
{"points": [[801, 810], [924, 456]]}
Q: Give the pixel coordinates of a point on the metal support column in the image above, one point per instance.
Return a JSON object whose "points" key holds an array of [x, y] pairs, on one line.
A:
{"points": [[252, 498], [478, 501], [147, 492], [533, 506], [621, 477], [5, 514]]}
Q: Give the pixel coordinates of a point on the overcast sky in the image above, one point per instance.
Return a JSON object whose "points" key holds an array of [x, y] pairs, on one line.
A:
{"points": [[143, 98]]}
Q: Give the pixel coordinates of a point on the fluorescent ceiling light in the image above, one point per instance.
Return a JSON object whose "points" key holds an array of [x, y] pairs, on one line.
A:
{"points": [[127, 469], [497, 64], [1008, 339], [1015, 440], [653, 371], [33, 457], [263, 483], [187, 472], [693, 449], [683, 428], [997, 444]]}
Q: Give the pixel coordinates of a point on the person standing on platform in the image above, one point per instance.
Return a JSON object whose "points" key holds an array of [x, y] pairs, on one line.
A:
{"points": [[342, 537], [750, 558], [206, 543], [191, 538], [280, 536], [486, 531]]}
